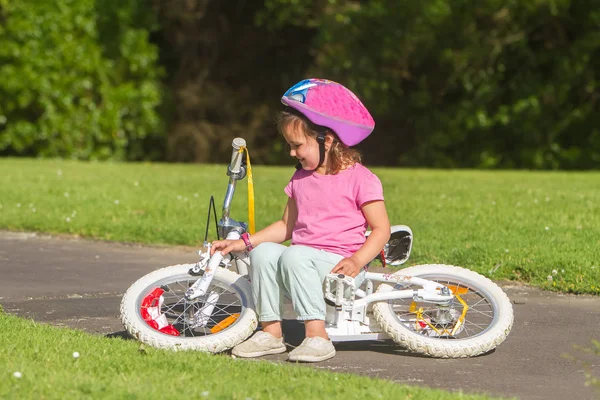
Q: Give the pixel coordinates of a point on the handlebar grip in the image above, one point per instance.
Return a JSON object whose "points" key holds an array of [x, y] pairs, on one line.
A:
{"points": [[236, 156]]}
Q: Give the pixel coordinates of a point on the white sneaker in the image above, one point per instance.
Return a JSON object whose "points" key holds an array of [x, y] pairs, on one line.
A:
{"points": [[260, 344], [313, 349]]}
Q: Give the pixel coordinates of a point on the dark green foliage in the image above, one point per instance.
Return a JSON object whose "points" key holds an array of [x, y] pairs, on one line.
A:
{"points": [[462, 83], [480, 84], [225, 76], [79, 79]]}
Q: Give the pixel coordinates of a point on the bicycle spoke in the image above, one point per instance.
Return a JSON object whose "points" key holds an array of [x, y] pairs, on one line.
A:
{"points": [[193, 318], [439, 322]]}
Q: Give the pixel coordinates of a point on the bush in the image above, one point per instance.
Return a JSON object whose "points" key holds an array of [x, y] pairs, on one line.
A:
{"points": [[79, 79]]}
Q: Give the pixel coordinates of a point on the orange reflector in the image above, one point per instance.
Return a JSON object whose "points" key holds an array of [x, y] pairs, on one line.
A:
{"points": [[457, 290], [224, 323]]}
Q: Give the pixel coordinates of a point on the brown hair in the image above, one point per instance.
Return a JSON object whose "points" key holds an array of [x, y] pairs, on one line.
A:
{"points": [[340, 155]]}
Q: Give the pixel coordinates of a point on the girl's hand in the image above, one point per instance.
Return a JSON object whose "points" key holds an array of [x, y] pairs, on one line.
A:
{"points": [[226, 246], [348, 266]]}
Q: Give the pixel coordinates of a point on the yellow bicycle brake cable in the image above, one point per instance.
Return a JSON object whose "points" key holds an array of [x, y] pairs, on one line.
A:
{"points": [[251, 224]]}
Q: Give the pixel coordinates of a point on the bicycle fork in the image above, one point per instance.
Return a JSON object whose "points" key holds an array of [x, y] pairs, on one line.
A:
{"points": [[207, 267]]}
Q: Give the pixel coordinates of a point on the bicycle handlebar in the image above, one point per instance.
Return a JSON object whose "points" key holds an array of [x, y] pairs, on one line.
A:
{"points": [[236, 156]]}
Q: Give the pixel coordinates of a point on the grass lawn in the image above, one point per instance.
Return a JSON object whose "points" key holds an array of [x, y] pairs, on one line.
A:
{"points": [[542, 228], [122, 369]]}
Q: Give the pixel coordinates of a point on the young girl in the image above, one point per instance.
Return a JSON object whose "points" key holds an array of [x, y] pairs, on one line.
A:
{"points": [[332, 200]]}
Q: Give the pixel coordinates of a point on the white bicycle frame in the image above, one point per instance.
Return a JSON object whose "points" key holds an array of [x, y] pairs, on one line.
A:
{"points": [[346, 318]]}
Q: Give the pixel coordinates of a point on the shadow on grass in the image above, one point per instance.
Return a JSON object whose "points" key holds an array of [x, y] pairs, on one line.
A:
{"points": [[120, 335]]}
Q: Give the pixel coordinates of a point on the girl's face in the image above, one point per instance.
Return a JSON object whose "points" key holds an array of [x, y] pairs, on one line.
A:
{"points": [[305, 148]]}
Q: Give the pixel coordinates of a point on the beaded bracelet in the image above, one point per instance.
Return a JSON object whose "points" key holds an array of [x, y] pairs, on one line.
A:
{"points": [[246, 238]]}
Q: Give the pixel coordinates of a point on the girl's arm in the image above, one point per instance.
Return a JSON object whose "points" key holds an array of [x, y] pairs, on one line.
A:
{"points": [[377, 218], [277, 232]]}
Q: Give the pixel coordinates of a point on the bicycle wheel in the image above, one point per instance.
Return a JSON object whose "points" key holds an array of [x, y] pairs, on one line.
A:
{"points": [[155, 311], [477, 320]]}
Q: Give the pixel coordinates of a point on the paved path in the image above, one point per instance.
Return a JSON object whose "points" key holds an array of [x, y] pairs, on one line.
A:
{"points": [[79, 284]]}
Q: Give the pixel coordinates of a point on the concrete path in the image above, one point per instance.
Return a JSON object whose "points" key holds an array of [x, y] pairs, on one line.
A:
{"points": [[79, 284]]}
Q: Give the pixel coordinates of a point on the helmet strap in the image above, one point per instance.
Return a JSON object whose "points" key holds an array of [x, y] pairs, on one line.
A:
{"points": [[321, 141]]}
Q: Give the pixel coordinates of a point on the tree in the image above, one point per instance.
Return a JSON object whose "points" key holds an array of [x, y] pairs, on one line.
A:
{"points": [[490, 83], [79, 80]]}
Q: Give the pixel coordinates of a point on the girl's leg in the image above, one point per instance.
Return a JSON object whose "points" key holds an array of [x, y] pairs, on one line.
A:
{"points": [[303, 270], [272, 327], [315, 327], [266, 286], [268, 298]]}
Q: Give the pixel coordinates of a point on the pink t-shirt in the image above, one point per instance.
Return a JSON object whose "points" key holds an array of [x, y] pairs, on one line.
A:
{"points": [[329, 208]]}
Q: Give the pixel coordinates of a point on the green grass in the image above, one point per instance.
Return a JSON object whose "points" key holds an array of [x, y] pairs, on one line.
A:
{"points": [[542, 228], [122, 369]]}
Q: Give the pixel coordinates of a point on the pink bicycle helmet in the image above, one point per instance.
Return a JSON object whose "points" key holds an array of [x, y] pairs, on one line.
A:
{"points": [[333, 106]]}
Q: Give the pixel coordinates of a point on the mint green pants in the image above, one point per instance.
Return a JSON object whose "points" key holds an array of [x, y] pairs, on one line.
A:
{"points": [[295, 271]]}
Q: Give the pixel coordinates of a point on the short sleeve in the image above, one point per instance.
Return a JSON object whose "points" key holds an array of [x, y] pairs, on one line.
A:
{"points": [[289, 189], [369, 188]]}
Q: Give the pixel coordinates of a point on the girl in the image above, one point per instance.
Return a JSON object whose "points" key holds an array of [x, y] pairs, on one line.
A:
{"points": [[332, 199]]}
